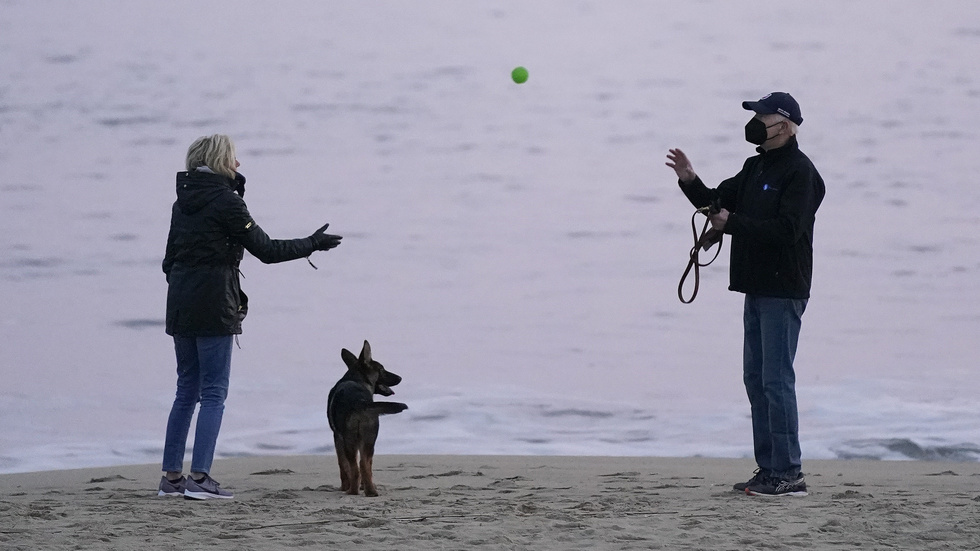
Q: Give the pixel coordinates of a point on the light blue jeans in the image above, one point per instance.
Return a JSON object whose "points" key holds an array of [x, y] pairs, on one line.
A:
{"points": [[772, 331], [203, 370]]}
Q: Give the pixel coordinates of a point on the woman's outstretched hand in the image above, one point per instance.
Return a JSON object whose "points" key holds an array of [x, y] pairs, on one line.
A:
{"points": [[324, 241]]}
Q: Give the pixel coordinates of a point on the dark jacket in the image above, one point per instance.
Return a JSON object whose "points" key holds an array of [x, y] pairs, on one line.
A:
{"points": [[209, 229], [773, 202]]}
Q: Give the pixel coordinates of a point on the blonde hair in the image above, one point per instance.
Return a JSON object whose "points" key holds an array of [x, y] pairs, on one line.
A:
{"points": [[216, 152]]}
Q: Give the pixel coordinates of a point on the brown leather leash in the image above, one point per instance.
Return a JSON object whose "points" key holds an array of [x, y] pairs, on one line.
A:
{"points": [[709, 236]]}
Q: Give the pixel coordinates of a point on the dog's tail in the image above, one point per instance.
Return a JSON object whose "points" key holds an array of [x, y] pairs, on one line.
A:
{"points": [[387, 408]]}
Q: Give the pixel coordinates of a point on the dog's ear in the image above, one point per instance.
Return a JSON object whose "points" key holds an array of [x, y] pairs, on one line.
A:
{"points": [[348, 358], [366, 353]]}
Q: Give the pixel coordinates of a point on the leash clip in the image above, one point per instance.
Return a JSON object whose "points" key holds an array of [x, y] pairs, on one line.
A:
{"points": [[708, 210]]}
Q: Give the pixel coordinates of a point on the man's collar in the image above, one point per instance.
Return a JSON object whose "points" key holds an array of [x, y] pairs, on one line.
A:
{"points": [[790, 145]]}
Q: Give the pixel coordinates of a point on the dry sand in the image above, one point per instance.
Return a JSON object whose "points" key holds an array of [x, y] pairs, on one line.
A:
{"points": [[499, 502]]}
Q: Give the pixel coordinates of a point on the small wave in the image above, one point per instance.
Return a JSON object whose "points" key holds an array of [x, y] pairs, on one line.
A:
{"points": [[129, 121], [578, 413], [140, 323], [905, 448]]}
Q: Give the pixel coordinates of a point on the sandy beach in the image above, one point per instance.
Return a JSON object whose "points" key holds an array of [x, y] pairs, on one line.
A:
{"points": [[513, 251], [499, 502]]}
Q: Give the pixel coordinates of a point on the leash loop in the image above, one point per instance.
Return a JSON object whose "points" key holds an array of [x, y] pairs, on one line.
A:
{"points": [[709, 236]]}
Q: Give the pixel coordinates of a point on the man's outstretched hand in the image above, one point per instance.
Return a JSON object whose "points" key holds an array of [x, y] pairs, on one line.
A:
{"points": [[677, 160]]}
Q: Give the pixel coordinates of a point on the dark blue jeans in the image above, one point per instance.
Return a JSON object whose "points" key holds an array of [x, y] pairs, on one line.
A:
{"points": [[203, 370], [772, 330]]}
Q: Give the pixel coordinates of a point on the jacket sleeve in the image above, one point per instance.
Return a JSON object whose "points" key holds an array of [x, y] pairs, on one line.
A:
{"points": [[726, 194], [697, 193], [168, 260], [170, 255], [271, 251], [242, 228]]}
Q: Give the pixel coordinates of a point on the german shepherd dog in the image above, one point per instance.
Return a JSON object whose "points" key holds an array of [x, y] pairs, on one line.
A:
{"points": [[353, 417]]}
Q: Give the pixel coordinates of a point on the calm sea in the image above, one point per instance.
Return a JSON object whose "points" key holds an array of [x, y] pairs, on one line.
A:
{"points": [[512, 251]]}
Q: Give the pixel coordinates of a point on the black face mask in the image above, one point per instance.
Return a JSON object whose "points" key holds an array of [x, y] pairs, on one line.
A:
{"points": [[756, 131]]}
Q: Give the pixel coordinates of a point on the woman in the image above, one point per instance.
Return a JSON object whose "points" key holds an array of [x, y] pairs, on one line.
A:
{"points": [[209, 230]]}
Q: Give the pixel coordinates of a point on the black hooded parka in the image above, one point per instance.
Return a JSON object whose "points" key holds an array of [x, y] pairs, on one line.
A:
{"points": [[209, 230]]}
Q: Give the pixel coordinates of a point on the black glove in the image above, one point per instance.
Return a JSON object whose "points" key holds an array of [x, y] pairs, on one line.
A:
{"points": [[324, 241]]}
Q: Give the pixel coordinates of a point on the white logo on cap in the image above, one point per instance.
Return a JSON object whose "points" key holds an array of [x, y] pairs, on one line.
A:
{"points": [[782, 112]]}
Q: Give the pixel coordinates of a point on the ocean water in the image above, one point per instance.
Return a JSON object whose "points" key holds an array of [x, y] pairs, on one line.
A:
{"points": [[512, 251]]}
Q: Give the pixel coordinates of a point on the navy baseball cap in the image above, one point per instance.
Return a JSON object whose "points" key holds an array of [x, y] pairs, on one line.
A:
{"points": [[779, 103]]}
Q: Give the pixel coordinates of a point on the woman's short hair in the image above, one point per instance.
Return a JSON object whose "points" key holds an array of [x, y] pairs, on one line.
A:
{"points": [[216, 152]]}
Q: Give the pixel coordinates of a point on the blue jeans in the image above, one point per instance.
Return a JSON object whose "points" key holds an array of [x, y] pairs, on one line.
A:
{"points": [[772, 330], [203, 370]]}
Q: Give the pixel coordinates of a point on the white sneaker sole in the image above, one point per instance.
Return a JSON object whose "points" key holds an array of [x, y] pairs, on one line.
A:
{"points": [[785, 494], [204, 495]]}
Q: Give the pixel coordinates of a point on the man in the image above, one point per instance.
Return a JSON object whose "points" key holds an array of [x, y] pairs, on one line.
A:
{"points": [[768, 208]]}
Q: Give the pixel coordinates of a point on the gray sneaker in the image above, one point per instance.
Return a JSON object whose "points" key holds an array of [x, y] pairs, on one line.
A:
{"points": [[776, 487], [757, 478], [168, 488], [205, 489]]}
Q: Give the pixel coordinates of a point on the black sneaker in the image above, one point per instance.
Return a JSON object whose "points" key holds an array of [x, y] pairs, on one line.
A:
{"points": [[171, 488], [776, 487], [205, 489], [757, 478]]}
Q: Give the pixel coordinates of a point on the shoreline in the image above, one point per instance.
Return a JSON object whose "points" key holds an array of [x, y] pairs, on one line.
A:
{"points": [[494, 502]]}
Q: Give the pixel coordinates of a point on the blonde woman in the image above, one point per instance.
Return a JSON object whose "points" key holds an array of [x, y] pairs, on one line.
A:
{"points": [[210, 229]]}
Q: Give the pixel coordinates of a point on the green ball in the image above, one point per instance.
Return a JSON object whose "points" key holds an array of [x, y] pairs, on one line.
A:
{"points": [[519, 74]]}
